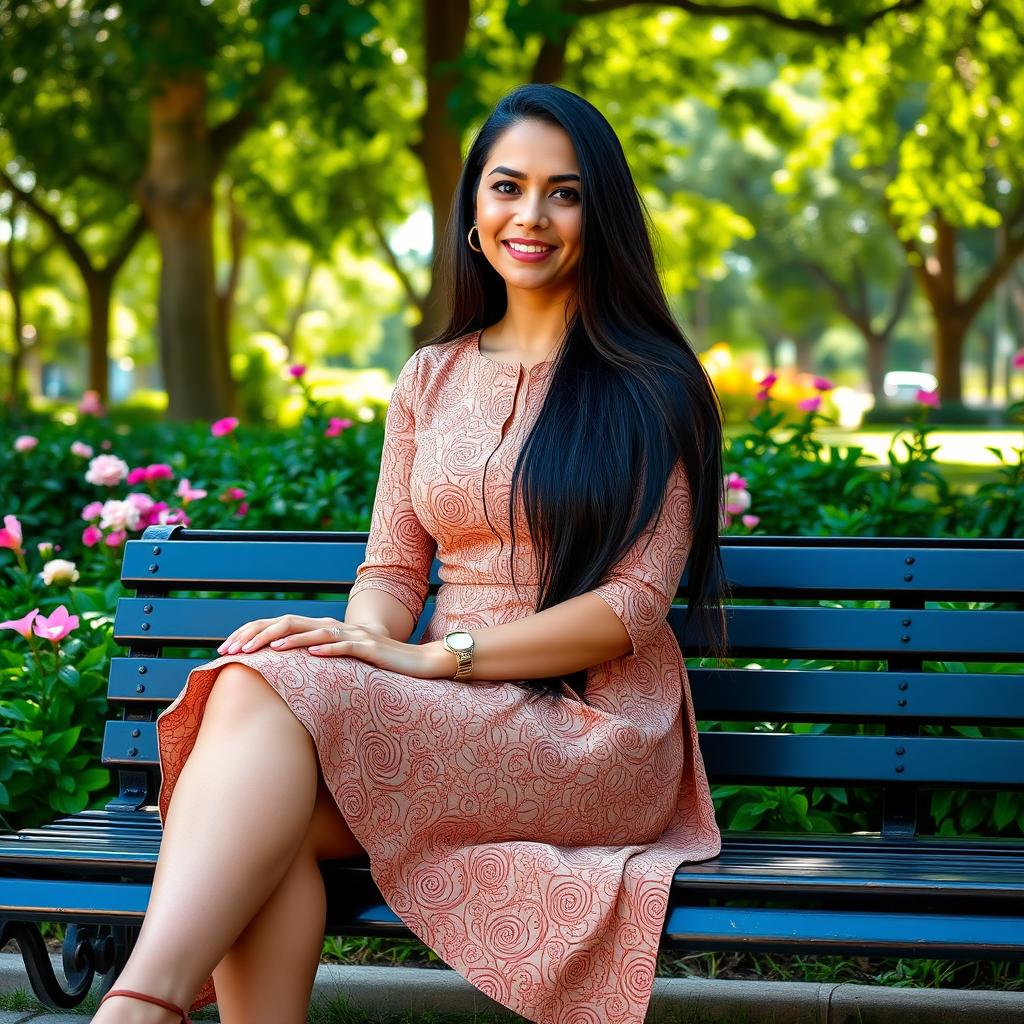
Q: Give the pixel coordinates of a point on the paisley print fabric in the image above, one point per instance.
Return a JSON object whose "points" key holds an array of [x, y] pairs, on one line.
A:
{"points": [[530, 844]]}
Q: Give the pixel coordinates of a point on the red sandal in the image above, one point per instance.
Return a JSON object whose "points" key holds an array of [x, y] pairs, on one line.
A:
{"points": [[149, 999]]}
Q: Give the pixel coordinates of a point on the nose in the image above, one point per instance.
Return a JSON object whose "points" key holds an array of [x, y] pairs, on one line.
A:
{"points": [[530, 211]]}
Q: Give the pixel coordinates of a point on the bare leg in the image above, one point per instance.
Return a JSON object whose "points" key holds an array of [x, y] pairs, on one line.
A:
{"points": [[237, 818], [288, 932]]}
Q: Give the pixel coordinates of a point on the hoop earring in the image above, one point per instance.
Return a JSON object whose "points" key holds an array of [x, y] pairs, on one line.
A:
{"points": [[470, 240]]}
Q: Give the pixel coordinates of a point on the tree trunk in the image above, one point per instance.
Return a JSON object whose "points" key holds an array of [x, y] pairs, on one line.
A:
{"points": [[804, 355], [237, 229], [99, 287], [176, 192], [445, 23], [951, 331], [877, 345], [17, 394]]}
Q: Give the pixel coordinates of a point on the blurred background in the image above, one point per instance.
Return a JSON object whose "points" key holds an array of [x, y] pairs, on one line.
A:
{"points": [[194, 196]]}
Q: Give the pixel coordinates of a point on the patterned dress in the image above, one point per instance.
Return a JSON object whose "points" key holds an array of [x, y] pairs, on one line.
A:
{"points": [[531, 845]]}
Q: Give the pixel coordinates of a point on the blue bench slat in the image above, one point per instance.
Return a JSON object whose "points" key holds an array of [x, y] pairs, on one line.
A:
{"points": [[836, 695], [230, 559], [269, 565], [846, 931], [58, 899], [143, 680], [205, 622], [820, 759], [779, 631], [862, 565], [767, 631], [733, 694], [779, 757]]}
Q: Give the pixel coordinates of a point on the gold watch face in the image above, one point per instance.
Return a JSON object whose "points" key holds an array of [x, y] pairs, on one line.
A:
{"points": [[460, 641]]}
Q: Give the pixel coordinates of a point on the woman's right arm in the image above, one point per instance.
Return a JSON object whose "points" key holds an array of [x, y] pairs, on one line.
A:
{"points": [[392, 582]]}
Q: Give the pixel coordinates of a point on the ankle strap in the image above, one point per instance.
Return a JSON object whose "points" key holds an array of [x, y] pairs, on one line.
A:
{"points": [[149, 999]]}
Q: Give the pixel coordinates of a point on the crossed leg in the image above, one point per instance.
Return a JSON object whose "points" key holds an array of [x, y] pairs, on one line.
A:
{"points": [[237, 891]]}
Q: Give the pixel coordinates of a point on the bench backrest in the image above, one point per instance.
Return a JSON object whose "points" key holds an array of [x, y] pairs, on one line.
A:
{"points": [[915, 695]]}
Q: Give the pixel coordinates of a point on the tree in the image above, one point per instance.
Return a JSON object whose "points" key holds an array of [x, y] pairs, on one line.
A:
{"points": [[930, 102]]}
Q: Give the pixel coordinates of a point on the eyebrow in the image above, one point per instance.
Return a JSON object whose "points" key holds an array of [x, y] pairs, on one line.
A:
{"points": [[519, 174]]}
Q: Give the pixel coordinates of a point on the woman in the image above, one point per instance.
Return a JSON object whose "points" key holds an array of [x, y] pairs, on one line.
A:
{"points": [[526, 778]]}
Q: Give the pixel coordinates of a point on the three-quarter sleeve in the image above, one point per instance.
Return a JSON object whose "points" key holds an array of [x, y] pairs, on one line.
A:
{"points": [[399, 551], [639, 588]]}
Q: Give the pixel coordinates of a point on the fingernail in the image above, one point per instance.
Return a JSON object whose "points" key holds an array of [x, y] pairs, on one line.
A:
{"points": [[317, 648], [276, 643]]}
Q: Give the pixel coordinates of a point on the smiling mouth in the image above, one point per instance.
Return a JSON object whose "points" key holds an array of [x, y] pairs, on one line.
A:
{"points": [[533, 249]]}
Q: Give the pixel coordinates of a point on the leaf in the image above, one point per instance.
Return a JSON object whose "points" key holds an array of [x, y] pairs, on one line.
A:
{"points": [[68, 674], [61, 743]]}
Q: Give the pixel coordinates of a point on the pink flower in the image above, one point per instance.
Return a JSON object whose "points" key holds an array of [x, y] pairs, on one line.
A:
{"points": [[1018, 360], [297, 370], [106, 445], [143, 502], [928, 398], [82, 449], [336, 426], [22, 625], [763, 395], [242, 509], [57, 626], [91, 536], [24, 443], [750, 521], [115, 538], [168, 517], [135, 476], [187, 492], [92, 511], [768, 381], [10, 535], [159, 471], [235, 493], [90, 404], [735, 481], [45, 549], [823, 384], [737, 502], [120, 515], [151, 515], [809, 404], [224, 426], [106, 470]]}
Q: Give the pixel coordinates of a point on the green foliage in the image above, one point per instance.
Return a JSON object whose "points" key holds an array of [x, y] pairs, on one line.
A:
{"points": [[53, 704], [801, 487]]}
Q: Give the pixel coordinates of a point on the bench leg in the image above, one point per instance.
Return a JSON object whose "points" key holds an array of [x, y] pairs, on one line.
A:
{"points": [[88, 950]]}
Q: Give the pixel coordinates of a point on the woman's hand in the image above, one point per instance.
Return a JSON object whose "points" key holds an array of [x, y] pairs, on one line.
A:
{"points": [[364, 642]]}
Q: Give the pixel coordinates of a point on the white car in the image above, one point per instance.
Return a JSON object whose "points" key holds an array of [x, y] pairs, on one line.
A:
{"points": [[902, 385]]}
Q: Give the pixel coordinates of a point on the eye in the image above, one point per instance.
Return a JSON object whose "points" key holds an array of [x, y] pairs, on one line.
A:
{"points": [[570, 193]]}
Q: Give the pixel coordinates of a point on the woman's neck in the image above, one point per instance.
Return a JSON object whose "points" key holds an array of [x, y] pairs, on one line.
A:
{"points": [[530, 331]]}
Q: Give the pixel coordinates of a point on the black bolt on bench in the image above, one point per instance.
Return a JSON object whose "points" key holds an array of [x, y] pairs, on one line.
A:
{"points": [[866, 675]]}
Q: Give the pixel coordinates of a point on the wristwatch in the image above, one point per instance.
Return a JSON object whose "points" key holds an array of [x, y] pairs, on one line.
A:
{"points": [[460, 643]]}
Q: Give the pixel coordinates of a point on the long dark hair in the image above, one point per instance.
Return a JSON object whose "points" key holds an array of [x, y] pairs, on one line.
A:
{"points": [[626, 392]]}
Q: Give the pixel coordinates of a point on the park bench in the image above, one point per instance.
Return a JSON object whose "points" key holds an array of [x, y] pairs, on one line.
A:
{"points": [[886, 890]]}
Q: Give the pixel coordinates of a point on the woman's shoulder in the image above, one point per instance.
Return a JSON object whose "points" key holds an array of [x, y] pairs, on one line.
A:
{"points": [[436, 362], [441, 355]]}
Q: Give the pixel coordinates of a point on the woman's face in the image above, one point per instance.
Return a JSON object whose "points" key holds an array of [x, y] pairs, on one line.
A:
{"points": [[516, 200]]}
